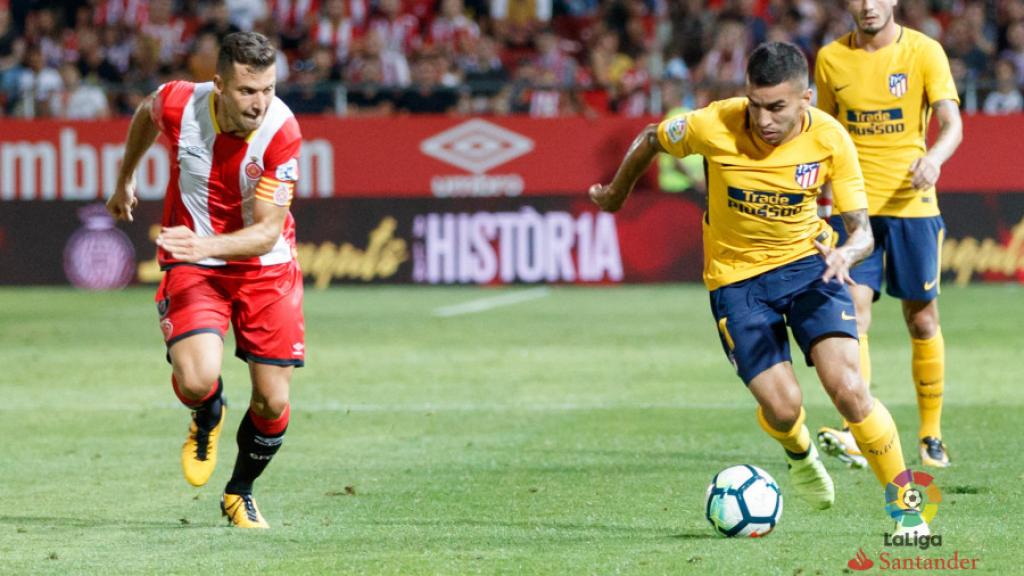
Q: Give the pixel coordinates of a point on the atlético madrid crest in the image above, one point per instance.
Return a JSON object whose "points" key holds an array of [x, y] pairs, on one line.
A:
{"points": [[807, 175], [897, 84]]}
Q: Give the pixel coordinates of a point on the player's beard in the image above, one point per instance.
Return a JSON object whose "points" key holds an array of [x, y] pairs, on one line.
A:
{"points": [[872, 30]]}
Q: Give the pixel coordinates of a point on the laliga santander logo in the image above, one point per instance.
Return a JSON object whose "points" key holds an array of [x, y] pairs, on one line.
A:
{"points": [[911, 498]]}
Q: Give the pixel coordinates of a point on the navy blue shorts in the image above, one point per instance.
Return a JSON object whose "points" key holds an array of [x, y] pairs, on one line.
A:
{"points": [[908, 253], [752, 315]]}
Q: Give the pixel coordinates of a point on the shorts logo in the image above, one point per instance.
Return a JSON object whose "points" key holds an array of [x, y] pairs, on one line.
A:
{"points": [[167, 328], [253, 170], [807, 174], [289, 171], [676, 130], [163, 306], [929, 285], [846, 316], [298, 349], [897, 84]]}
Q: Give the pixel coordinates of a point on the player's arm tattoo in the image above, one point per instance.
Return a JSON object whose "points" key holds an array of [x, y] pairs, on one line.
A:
{"points": [[951, 131], [861, 241]]}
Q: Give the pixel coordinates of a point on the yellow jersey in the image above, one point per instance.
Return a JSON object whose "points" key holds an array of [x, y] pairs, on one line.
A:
{"points": [[884, 99], [762, 199]]}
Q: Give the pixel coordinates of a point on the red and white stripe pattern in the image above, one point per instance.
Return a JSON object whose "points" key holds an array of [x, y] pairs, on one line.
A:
{"points": [[133, 13], [293, 15], [807, 175], [216, 177], [897, 84], [338, 36]]}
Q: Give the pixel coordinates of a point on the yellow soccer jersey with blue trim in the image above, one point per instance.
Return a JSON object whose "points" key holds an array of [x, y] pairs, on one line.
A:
{"points": [[884, 99], [762, 199]]}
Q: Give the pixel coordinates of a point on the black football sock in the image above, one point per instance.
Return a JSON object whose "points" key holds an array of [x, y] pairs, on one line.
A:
{"points": [[255, 450], [207, 415]]}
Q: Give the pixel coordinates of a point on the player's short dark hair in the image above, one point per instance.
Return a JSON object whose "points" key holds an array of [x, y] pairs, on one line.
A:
{"points": [[250, 48], [773, 63]]}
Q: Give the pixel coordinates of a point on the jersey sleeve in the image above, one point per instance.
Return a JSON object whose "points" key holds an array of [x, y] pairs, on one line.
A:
{"points": [[847, 179], [938, 79], [169, 105], [826, 98], [679, 135], [281, 166]]}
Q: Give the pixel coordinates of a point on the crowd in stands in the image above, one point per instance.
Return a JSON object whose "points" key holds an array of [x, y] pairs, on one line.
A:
{"points": [[97, 58]]}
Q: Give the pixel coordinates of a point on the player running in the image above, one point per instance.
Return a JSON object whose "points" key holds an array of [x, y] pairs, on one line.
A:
{"points": [[227, 248], [769, 259], [881, 81]]}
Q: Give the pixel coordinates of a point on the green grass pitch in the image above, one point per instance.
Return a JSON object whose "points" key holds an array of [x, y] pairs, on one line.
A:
{"points": [[570, 434]]}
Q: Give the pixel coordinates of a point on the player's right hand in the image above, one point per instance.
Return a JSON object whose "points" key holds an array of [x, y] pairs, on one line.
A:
{"points": [[605, 197], [123, 201]]}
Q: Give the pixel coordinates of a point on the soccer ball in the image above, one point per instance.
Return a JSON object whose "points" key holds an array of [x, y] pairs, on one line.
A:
{"points": [[743, 501]]}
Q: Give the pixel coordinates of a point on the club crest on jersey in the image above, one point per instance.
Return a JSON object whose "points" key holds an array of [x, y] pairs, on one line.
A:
{"points": [[807, 175], [897, 84], [253, 170]]}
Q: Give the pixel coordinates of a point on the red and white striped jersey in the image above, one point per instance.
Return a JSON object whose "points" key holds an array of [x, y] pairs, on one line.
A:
{"points": [[338, 37], [216, 177], [293, 15], [132, 13]]}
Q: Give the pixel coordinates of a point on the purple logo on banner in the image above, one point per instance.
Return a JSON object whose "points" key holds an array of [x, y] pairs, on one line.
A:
{"points": [[98, 256]]}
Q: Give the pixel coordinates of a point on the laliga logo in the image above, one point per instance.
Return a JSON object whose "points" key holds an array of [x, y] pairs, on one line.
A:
{"points": [[476, 146], [911, 498]]}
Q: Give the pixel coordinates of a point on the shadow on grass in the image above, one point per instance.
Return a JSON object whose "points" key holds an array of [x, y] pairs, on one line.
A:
{"points": [[70, 522]]}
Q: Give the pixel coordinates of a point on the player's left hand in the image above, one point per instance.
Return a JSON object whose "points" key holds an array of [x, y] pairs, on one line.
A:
{"points": [[182, 243], [837, 263], [924, 173]]}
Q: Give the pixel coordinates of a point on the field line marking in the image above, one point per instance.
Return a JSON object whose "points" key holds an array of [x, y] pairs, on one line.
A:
{"points": [[491, 302]]}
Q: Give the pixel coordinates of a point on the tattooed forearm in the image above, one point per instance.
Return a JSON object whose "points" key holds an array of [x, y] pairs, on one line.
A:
{"points": [[861, 241]]}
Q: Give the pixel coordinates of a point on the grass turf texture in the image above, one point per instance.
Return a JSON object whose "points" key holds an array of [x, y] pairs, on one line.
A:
{"points": [[572, 434]]}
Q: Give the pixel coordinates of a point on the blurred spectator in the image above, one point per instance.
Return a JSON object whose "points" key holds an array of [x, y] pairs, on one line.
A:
{"points": [[217, 20], [202, 63], [117, 13], [78, 101], [426, 95], [166, 30], [917, 16], [369, 97], [452, 30], [399, 31], [394, 66], [959, 43], [727, 60], [335, 31], [1015, 49], [1006, 98], [12, 49], [515, 21], [36, 85]]}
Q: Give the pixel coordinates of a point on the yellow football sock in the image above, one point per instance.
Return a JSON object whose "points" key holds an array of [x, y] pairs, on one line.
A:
{"points": [[865, 366], [796, 440], [928, 366], [879, 441]]}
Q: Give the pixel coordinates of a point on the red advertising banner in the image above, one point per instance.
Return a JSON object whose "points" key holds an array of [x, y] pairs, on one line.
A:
{"points": [[552, 239], [409, 157]]}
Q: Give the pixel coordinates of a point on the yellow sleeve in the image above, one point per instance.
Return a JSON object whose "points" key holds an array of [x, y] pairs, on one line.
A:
{"points": [[826, 98], [847, 180], [938, 80], [675, 135]]}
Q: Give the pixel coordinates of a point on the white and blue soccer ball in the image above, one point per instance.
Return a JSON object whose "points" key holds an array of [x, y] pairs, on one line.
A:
{"points": [[743, 501]]}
